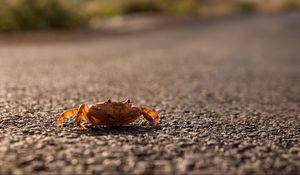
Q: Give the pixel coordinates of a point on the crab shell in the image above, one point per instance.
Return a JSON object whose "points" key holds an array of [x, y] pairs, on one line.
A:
{"points": [[109, 113]]}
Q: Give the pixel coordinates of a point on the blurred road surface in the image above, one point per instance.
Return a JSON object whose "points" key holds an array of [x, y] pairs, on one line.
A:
{"points": [[227, 91]]}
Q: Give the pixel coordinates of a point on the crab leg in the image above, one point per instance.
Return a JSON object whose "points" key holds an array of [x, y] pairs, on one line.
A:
{"points": [[150, 116], [82, 115], [66, 115]]}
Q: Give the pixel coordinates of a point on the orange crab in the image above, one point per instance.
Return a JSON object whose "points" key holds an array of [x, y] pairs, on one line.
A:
{"points": [[108, 113]]}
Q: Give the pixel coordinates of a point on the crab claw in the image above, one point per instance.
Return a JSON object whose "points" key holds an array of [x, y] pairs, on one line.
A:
{"points": [[150, 116], [64, 116]]}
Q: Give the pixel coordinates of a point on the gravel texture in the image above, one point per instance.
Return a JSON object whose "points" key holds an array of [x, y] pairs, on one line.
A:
{"points": [[227, 92]]}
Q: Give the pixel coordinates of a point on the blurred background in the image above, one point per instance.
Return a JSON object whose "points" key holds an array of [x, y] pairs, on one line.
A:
{"points": [[223, 75], [19, 15]]}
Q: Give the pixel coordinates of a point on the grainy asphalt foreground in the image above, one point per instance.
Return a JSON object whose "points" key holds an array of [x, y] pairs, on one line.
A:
{"points": [[227, 91]]}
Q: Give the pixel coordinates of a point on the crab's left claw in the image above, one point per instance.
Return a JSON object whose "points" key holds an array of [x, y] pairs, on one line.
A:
{"points": [[64, 116], [150, 116]]}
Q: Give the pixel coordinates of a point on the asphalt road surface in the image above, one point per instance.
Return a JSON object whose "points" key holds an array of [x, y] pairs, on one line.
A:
{"points": [[227, 92]]}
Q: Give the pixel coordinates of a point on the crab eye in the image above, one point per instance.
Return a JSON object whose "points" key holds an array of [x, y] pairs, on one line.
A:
{"points": [[109, 101], [128, 101]]}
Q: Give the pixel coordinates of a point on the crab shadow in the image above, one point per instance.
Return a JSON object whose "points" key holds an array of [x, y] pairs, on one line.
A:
{"points": [[119, 130]]}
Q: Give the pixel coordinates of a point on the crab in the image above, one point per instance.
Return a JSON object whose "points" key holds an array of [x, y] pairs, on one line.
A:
{"points": [[108, 113]]}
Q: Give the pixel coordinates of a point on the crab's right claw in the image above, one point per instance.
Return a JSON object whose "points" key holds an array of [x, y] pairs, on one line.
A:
{"points": [[150, 116], [64, 116]]}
